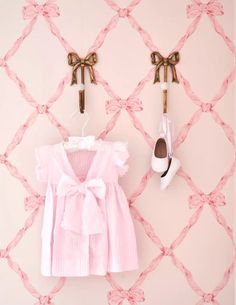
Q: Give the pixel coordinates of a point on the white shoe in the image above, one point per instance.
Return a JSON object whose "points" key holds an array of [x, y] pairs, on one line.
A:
{"points": [[160, 158], [168, 175]]}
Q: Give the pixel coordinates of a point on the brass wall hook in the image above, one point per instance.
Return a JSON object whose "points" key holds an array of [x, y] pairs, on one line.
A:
{"points": [[76, 62], [158, 60]]}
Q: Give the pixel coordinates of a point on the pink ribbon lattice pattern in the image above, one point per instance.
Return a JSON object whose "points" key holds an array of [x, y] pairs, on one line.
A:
{"points": [[114, 105]]}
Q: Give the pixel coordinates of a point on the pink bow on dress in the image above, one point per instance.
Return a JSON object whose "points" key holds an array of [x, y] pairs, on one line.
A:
{"points": [[33, 9], [131, 104], [116, 297], [212, 8], [82, 213], [213, 199]]}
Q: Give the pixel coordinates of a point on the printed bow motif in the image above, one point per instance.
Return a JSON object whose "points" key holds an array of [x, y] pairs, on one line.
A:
{"points": [[208, 298], [33, 9], [82, 213], [116, 297], [44, 300], [158, 60], [131, 104], [212, 8], [213, 199], [76, 62]]}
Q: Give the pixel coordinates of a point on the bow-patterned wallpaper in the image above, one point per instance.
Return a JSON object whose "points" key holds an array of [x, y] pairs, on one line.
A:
{"points": [[185, 235]]}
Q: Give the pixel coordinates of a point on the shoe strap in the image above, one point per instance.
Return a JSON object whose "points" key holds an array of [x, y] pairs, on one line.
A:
{"points": [[166, 130]]}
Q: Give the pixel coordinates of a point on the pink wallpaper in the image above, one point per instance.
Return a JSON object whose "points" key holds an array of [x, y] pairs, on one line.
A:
{"points": [[184, 234]]}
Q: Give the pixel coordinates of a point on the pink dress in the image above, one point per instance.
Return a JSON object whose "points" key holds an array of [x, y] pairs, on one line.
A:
{"points": [[87, 226]]}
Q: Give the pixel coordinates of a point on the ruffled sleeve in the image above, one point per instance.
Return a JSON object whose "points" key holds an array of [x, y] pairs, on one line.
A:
{"points": [[120, 157], [42, 155]]}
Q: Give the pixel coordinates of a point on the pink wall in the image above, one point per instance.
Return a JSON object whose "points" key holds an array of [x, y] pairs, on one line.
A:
{"points": [[34, 71]]}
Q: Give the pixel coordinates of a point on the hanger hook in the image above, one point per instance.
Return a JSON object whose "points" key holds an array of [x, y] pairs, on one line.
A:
{"points": [[85, 114]]}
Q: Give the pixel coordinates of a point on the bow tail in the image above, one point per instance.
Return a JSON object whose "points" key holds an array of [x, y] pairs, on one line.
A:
{"points": [[157, 75], [93, 222], [132, 302], [74, 76], [92, 75], [174, 74], [166, 130]]}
